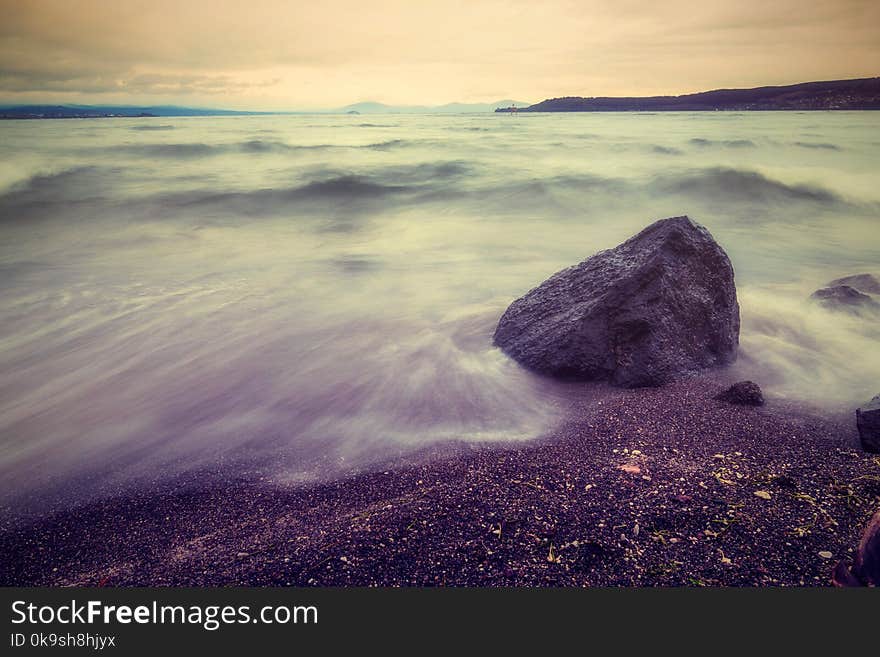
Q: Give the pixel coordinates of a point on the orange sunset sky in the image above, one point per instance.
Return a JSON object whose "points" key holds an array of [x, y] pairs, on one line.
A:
{"points": [[274, 54]]}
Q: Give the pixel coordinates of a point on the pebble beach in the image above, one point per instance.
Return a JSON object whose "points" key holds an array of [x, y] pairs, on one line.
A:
{"points": [[647, 487]]}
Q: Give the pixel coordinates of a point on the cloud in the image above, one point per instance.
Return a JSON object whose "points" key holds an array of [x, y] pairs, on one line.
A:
{"points": [[122, 81], [338, 51], [165, 83]]}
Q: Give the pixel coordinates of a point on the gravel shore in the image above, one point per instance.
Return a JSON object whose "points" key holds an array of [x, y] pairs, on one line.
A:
{"points": [[650, 487]]}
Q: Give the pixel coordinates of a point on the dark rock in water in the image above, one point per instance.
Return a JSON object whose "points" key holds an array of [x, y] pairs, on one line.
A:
{"points": [[866, 567], [660, 305], [866, 283], [745, 393], [868, 422], [846, 298]]}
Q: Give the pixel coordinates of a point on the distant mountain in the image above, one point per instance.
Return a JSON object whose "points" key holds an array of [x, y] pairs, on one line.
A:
{"points": [[107, 111], [860, 94], [449, 108]]}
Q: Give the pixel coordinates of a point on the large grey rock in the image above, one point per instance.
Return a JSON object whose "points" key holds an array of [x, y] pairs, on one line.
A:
{"points": [[866, 283], [660, 305], [845, 298], [868, 422]]}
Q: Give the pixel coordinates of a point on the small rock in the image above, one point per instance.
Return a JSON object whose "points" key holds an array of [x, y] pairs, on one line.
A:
{"points": [[844, 298], [866, 283], [868, 554], [825, 554], [744, 393], [865, 569], [843, 576], [868, 422]]}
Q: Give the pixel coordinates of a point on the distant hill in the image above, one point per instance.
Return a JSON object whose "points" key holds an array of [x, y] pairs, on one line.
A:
{"points": [[861, 94], [449, 108], [107, 111]]}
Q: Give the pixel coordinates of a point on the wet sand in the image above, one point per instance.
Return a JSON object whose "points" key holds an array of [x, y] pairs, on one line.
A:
{"points": [[651, 487]]}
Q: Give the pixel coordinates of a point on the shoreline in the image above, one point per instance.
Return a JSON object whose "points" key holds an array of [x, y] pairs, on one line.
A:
{"points": [[647, 487]]}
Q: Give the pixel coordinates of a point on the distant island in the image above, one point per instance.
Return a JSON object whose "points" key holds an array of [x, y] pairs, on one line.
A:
{"points": [[46, 111], [108, 111], [371, 107], [860, 94]]}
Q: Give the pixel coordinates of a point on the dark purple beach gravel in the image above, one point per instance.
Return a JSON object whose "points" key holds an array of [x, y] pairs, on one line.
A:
{"points": [[650, 487]]}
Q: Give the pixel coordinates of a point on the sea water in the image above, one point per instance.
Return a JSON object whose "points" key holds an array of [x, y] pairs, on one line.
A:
{"points": [[316, 293]]}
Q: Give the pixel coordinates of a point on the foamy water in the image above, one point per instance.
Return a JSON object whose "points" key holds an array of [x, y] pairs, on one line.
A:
{"points": [[319, 292]]}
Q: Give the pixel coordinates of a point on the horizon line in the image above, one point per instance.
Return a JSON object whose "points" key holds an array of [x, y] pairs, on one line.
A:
{"points": [[325, 110]]}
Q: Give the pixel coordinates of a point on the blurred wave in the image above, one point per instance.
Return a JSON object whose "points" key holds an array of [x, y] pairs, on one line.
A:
{"points": [[728, 143], [186, 150], [800, 350], [739, 185], [821, 145], [151, 127], [317, 294]]}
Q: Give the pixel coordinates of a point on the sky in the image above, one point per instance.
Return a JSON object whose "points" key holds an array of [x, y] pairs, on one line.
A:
{"points": [[273, 54]]}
